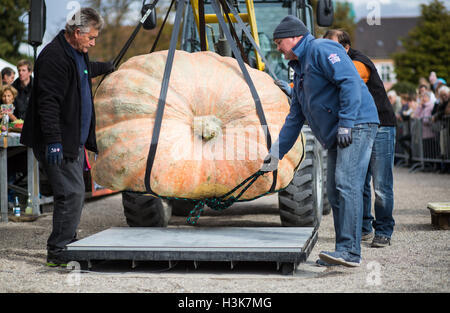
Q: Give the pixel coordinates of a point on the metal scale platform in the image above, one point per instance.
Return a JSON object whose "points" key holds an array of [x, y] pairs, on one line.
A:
{"points": [[288, 246]]}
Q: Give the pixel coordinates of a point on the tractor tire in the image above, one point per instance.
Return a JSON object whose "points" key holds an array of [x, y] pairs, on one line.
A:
{"points": [[181, 207], [301, 203], [145, 210]]}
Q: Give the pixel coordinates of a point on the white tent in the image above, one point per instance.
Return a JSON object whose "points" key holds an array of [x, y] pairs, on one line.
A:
{"points": [[4, 64]]}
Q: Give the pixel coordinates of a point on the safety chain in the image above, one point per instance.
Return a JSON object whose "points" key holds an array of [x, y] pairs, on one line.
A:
{"points": [[220, 203]]}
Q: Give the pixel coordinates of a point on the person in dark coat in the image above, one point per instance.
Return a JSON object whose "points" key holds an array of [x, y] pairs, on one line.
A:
{"points": [[24, 86], [382, 161], [60, 122]]}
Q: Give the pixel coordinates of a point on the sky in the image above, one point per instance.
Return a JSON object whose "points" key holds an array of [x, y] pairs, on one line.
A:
{"points": [[58, 10]]}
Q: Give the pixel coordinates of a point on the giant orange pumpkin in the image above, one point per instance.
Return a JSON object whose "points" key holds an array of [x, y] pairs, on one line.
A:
{"points": [[211, 138]]}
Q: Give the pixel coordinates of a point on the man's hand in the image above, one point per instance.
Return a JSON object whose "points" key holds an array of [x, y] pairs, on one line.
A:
{"points": [[284, 86], [54, 154], [344, 137], [270, 164]]}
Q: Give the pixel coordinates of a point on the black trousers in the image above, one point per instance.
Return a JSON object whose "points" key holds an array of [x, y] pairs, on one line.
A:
{"points": [[68, 189]]}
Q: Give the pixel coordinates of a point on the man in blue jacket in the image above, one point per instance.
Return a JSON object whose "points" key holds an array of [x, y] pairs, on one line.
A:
{"points": [[331, 97]]}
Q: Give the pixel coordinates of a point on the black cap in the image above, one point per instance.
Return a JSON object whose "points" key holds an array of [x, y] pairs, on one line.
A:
{"points": [[290, 26]]}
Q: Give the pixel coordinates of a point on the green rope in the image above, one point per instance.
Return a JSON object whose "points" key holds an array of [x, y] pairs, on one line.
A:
{"points": [[221, 203]]}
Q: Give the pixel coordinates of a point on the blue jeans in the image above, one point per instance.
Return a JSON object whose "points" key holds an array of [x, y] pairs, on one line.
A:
{"points": [[346, 174], [380, 168]]}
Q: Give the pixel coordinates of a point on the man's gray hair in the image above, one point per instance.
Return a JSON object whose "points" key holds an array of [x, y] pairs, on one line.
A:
{"points": [[84, 19]]}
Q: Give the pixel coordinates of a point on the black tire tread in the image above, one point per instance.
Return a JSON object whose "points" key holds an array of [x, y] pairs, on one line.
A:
{"points": [[296, 202], [145, 210]]}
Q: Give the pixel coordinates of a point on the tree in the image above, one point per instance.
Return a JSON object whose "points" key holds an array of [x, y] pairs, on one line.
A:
{"points": [[427, 46], [343, 19], [12, 28], [404, 88]]}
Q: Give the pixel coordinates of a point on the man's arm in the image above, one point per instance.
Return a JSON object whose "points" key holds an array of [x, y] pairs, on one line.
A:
{"points": [[52, 85], [290, 130], [100, 68]]}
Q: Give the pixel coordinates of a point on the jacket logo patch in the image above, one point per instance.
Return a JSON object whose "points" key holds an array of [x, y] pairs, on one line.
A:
{"points": [[334, 58]]}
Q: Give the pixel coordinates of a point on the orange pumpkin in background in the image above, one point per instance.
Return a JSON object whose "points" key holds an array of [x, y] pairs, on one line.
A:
{"points": [[211, 138]]}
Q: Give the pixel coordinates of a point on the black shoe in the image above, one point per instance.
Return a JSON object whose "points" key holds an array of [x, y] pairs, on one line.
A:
{"points": [[380, 241], [55, 259], [73, 240]]}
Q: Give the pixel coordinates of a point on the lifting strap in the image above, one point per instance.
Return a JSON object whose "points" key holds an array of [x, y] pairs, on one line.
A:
{"points": [[201, 24], [122, 52], [162, 27], [163, 94], [217, 203], [130, 40], [249, 36], [234, 34], [224, 201], [165, 85], [259, 108]]}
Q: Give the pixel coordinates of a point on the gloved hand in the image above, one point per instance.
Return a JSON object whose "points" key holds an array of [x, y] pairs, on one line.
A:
{"points": [[54, 153], [344, 137], [284, 86], [270, 164]]}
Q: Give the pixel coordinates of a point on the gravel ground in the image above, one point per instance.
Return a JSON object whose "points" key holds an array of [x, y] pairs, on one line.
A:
{"points": [[417, 261]]}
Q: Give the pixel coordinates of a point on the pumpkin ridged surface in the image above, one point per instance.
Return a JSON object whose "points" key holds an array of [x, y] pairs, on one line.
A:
{"points": [[211, 138]]}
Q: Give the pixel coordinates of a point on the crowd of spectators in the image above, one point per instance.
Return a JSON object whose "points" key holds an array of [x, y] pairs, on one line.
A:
{"points": [[20, 86], [430, 105], [16, 91]]}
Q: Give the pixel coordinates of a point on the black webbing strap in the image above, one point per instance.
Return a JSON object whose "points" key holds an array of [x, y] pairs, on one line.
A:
{"points": [[163, 94], [234, 34], [249, 36], [162, 27], [130, 40], [259, 108], [133, 35], [201, 24]]}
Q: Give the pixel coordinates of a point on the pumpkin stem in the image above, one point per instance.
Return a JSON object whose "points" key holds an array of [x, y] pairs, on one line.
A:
{"points": [[207, 127]]}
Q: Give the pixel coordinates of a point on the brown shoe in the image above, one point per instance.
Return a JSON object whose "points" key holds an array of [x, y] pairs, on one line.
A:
{"points": [[367, 236]]}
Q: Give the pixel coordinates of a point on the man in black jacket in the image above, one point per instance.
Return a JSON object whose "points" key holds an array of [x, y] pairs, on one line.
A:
{"points": [[60, 122], [382, 159], [24, 86]]}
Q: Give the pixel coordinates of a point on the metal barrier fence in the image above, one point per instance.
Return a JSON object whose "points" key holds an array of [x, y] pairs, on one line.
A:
{"points": [[422, 142]]}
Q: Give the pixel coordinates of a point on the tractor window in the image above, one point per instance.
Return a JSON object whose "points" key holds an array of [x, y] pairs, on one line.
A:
{"points": [[268, 14]]}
